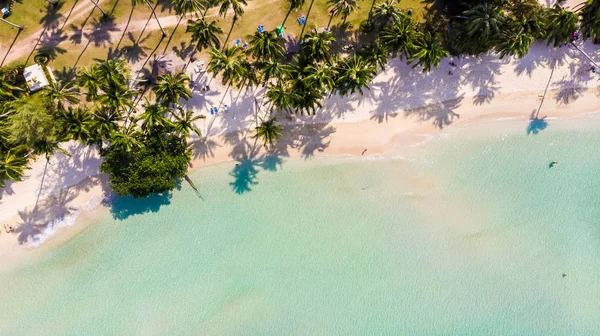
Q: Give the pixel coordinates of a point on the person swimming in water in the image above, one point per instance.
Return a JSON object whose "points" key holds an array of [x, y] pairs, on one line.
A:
{"points": [[554, 163]]}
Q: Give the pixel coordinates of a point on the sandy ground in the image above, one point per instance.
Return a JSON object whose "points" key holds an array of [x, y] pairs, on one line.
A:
{"points": [[402, 106]]}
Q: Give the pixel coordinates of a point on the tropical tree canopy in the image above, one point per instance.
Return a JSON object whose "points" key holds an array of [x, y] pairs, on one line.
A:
{"points": [[386, 13], [560, 25], [428, 52], [317, 46], [268, 131], [342, 7], [354, 75], [228, 64], [266, 46], [399, 38], [235, 5], [204, 34], [170, 89]]}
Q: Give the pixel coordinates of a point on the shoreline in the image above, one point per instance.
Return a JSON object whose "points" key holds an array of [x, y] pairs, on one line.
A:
{"points": [[343, 139]]}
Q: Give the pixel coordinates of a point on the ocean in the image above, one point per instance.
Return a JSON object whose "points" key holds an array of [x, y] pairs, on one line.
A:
{"points": [[468, 233]]}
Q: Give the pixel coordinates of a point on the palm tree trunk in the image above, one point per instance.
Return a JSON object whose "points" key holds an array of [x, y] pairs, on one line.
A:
{"points": [[155, 17], [12, 24], [10, 47], [125, 29], [371, 11], [286, 16], [330, 19], [306, 23], [229, 34], [96, 4], [173, 33], [143, 30]]}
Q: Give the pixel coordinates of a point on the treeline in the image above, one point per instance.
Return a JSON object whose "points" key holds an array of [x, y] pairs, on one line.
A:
{"points": [[145, 146]]}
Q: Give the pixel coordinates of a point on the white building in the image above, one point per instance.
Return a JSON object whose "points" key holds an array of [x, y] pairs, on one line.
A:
{"points": [[35, 77]]}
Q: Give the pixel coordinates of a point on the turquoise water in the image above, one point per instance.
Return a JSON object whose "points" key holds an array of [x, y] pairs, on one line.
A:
{"points": [[467, 234]]}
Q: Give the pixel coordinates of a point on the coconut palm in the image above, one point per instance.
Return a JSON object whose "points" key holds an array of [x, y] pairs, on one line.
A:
{"points": [[354, 75], [386, 13], [204, 34], [7, 90], [235, 5], [483, 22], [169, 89], [376, 54], [513, 43], [341, 7], [590, 19], [184, 123], [116, 99], [125, 139], [399, 38], [428, 52], [88, 79], [560, 25], [12, 167], [61, 93], [294, 4], [281, 97], [317, 46], [77, 124], [268, 131], [250, 75], [183, 7], [266, 46], [154, 117], [112, 72], [228, 64], [274, 69], [47, 147], [320, 75], [103, 124], [307, 98]]}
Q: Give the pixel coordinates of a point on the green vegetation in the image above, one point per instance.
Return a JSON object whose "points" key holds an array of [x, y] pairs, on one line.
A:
{"points": [[145, 147]]}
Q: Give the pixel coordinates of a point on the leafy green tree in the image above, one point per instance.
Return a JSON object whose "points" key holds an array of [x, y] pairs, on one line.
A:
{"points": [[561, 24], [7, 90], [268, 131], [204, 34], [376, 54], [153, 168], [399, 38], [317, 46], [354, 75], [30, 122], [481, 24], [386, 13], [235, 5], [228, 64], [184, 123], [12, 167], [428, 52], [48, 146], [341, 7], [77, 124], [126, 139], [61, 93], [170, 89], [590, 19], [266, 46]]}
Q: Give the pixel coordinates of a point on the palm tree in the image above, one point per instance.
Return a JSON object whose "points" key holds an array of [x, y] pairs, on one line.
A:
{"points": [[274, 69], [103, 124], [483, 22], [376, 54], [320, 75], [99, 8], [184, 123], [116, 98], [250, 75], [77, 123], [281, 97], [61, 93], [307, 98], [47, 147], [399, 37], [268, 132], [204, 34], [112, 72], [182, 7], [306, 21], [428, 52], [343, 7], [152, 8], [12, 167], [7, 90], [170, 88], [227, 63], [88, 79], [125, 139], [236, 5], [266, 46], [293, 5], [154, 117], [354, 74], [560, 25], [317, 46], [386, 13], [513, 43], [590, 18]]}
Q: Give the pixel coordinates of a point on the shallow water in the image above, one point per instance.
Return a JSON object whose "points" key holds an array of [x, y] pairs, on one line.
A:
{"points": [[467, 234]]}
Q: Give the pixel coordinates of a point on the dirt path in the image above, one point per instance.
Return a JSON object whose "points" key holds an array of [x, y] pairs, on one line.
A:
{"points": [[26, 44], [99, 35]]}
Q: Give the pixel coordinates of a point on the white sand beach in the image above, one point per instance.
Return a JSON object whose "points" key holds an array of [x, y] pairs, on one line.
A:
{"points": [[403, 105]]}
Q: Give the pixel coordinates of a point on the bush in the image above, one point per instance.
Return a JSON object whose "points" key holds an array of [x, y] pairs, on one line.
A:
{"points": [[41, 59]]}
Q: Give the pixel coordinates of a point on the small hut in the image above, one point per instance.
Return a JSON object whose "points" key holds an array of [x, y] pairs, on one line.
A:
{"points": [[166, 64], [35, 77]]}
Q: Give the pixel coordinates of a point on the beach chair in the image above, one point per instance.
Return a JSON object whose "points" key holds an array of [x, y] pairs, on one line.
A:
{"points": [[237, 42], [261, 29], [301, 20]]}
